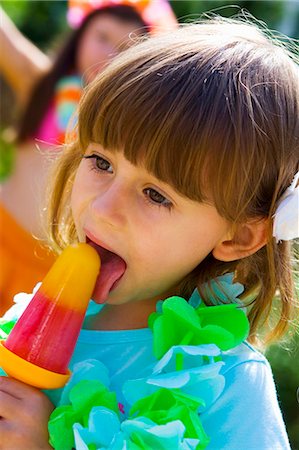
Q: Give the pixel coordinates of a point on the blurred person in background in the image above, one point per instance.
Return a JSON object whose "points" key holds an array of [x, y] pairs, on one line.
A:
{"points": [[47, 93]]}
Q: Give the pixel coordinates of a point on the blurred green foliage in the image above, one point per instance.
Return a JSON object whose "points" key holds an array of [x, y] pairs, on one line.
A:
{"points": [[42, 21], [7, 157], [261, 10]]}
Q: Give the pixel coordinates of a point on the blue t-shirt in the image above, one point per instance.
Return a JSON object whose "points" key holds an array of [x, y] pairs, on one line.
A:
{"points": [[245, 417]]}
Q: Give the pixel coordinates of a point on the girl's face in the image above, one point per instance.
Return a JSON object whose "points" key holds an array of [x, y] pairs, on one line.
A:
{"points": [[103, 38], [153, 236]]}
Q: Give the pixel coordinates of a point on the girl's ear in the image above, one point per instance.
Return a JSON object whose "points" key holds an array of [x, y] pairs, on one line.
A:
{"points": [[245, 240]]}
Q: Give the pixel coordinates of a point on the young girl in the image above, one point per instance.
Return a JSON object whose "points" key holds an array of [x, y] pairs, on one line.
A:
{"points": [[182, 178]]}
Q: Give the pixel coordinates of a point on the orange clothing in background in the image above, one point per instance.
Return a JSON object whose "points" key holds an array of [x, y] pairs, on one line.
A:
{"points": [[24, 261]]}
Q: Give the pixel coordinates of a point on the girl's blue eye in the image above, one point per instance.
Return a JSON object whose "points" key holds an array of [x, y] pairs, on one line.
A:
{"points": [[100, 163], [157, 198]]}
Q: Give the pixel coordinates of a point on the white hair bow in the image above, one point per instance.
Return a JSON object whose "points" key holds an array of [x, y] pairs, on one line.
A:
{"points": [[286, 218]]}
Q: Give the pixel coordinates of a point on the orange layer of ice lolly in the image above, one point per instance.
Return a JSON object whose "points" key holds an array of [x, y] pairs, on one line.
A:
{"points": [[46, 333]]}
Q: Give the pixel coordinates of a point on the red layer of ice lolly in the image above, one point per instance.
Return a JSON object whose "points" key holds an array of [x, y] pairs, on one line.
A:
{"points": [[46, 333]]}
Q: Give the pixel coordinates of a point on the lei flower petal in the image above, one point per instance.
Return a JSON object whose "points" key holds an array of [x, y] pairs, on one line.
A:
{"points": [[60, 427], [5, 328], [103, 425], [221, 289], [86, 394], [178, 324], [228, 325], [194, 356], [166, 405], [83, 397], [146, 434], [106, 432], [181, 324], [200, 378], [89, 369], [21, 301]]}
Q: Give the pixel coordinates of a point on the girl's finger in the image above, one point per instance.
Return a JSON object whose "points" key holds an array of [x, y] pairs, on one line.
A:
{"points": [[16, 388], [3, 432], [9, 406], [27, 398]]}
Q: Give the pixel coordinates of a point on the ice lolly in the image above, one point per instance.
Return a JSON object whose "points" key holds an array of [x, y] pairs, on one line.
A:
{"points": [[40, 346]]}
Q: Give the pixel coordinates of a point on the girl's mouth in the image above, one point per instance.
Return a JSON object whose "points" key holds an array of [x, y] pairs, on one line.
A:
{"points": [[112, 269]]}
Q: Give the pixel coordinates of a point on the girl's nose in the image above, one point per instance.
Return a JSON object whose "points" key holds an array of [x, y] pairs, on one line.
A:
{"points": [[110, 206]]}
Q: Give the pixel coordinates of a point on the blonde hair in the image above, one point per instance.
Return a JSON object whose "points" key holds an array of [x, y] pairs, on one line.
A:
{"points": [[212, 104]]}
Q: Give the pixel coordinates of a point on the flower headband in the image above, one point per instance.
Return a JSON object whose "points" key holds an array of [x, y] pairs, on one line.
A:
{"points": [[286, 218], [156, 13]]}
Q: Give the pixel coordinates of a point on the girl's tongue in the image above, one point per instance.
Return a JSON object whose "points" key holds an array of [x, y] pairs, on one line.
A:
{"points": [[112, 269]]}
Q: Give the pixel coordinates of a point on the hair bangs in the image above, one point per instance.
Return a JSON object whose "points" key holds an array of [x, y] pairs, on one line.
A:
{"points": [[162, 121], [194, 116]]}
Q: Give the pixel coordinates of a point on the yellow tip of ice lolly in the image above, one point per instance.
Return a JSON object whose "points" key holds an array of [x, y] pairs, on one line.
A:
{"points": [[47, 332], [72, 278]]}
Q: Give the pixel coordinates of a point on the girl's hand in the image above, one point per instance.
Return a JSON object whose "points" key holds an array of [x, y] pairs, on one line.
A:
{"points": [[24, 415]]}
